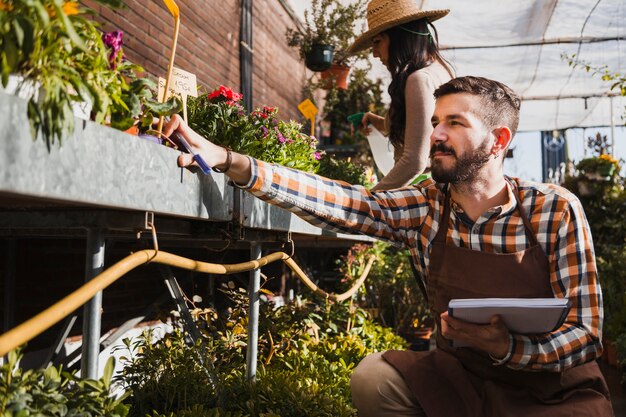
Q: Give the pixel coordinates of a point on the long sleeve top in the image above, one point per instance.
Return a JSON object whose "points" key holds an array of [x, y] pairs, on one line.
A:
{"points": [[412, 158], [410, 217]]}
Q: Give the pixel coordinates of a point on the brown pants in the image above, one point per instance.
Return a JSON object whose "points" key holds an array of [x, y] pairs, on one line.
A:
{"points": [[378, 390]]}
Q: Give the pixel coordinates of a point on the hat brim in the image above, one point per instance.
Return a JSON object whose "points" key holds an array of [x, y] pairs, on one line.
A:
{"points": [[365, 40]]}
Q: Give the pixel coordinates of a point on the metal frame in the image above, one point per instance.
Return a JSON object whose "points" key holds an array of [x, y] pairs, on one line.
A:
{"points": [[103, 184]]}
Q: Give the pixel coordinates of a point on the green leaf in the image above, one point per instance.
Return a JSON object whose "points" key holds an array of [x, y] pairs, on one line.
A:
{"points": [[68, 26], [18, 31], [28, 29], [108, 372]]}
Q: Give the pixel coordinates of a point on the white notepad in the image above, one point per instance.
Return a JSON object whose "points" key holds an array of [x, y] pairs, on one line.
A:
{"points": [[520, 315], [382, 150]]}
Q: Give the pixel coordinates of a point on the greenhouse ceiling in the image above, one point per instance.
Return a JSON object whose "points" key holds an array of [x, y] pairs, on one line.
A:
{"points": [[526, 45]]}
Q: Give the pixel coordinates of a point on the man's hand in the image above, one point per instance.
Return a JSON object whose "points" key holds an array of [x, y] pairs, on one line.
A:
{"points": [[492, 338], [214, 155]]}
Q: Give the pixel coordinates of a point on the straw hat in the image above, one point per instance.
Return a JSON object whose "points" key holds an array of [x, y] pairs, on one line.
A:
{"points": [[385, 14]]}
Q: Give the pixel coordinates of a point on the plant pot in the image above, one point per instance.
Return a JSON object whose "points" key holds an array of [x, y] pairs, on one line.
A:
{"points": [[27, 89], [337, 75], [20, 87], [585, 189], [319, 58], [418, 338], [606, 170], [133, 130]]}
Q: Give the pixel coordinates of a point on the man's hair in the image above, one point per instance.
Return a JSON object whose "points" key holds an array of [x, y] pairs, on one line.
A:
{"points": [[500, 104]]}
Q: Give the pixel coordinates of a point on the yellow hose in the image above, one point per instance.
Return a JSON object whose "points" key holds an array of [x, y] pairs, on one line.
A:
{"points": [[62, 308]]}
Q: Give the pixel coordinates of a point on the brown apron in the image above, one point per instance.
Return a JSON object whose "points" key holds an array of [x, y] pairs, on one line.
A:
{"points": [[456, 382]]}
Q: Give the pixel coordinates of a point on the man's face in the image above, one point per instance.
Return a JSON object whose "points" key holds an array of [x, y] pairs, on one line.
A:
{"points": [[461, 144]]}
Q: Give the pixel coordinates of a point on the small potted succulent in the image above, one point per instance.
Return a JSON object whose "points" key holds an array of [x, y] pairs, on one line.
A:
{"points": [[328, 31]]}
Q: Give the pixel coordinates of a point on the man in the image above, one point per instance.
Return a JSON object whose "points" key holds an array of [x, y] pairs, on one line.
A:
{"points": [[473, 233]]}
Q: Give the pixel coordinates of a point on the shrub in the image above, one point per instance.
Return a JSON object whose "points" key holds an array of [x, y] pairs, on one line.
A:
{"points": [[306, 354], [51, 392]]}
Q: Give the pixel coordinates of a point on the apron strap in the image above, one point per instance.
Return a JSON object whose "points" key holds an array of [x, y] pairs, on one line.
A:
{"points": [[529, 230], [445, 217]]}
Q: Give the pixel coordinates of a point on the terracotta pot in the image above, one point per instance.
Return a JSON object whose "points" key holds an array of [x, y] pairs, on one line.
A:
{"points": [[419, 339], [337, 74], [133, 130]]}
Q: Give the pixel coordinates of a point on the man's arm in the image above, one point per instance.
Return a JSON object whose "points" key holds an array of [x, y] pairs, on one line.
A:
{"points": [[322, 202], [573, 275], [214, 155]]}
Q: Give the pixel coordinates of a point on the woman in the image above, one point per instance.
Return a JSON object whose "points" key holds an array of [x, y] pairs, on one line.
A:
{"points": [[403, 38]]}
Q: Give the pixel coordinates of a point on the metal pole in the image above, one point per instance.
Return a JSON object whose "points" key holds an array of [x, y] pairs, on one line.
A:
{"points": [[253, 314], [612, 127], [94, 264], [9, 286]]}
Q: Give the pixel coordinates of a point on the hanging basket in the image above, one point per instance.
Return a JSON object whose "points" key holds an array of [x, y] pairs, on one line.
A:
{"points": [[337, 74], [320, 57]]}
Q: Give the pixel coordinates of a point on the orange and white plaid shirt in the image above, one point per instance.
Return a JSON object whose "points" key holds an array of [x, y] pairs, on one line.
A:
{"points": [[410, 216]]}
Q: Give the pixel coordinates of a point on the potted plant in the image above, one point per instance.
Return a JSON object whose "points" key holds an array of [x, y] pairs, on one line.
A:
{"points": [[598, 167], [328, 31], [53, 47], [362, 94], [65, 61], [260, 134], [133, 99]]}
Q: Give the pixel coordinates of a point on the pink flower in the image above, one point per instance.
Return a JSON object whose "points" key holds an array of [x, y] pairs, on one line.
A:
{"points": [[317, 156], [114, 41]]}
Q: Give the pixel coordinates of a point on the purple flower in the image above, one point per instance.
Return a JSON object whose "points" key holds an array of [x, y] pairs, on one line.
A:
{"points": [[265, 131], [280, 136], [114, 41], [317, 156]]}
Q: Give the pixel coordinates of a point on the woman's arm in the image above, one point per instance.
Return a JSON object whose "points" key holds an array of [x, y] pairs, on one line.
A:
{"points": [[420, 105], [320, 201], [375, 120]]}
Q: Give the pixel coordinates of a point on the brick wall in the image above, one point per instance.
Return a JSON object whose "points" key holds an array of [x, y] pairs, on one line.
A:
{"points": [[208, 45]]}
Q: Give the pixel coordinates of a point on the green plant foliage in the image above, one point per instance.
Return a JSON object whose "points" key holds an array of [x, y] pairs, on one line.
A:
{"points": [[56, 49], [51, 392], [391, 292], [329, 22], [306, 353], [617, 79], [344, 170], [604, 201], [260, 134], [363, 94]]}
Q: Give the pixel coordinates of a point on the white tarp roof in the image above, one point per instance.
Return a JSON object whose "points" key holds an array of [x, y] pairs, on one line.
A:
{"points": [[520, 43]]}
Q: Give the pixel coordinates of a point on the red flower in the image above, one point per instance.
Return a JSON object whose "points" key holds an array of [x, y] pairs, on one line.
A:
{"points": [[227, 93]]}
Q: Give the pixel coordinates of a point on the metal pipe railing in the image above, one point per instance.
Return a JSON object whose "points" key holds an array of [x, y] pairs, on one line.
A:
{"points": [[62, 308]]}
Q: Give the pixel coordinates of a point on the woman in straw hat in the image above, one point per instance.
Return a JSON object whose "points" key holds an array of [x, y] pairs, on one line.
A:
{"points": [[402, 36]]}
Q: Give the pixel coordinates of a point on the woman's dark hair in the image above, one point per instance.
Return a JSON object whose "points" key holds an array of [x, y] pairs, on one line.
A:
{"points": [[408, 52]]}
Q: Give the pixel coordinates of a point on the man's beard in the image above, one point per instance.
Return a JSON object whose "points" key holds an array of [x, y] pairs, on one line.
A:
{"points": [[464, 170]]}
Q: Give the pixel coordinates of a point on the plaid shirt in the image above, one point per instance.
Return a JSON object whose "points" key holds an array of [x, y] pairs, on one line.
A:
{"points": [[410, 216]]}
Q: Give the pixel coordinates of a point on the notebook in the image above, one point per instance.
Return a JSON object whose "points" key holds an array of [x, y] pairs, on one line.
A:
{"points": [[520, 315]]}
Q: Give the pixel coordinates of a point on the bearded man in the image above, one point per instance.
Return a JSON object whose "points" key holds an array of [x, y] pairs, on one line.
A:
{"points": [[473, 233]]}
